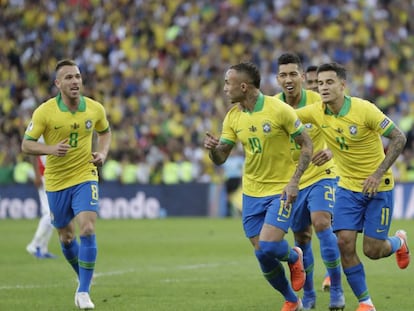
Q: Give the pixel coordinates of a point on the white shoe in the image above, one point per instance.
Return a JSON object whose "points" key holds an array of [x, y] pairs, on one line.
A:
{"points": [[31, 249], [83, 301]]}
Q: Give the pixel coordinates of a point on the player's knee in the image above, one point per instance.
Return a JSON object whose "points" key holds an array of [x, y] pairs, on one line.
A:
{"points": [[373, 250], [66, 237], [344, 245], [87, 229], [321, 223], [274, 249]]}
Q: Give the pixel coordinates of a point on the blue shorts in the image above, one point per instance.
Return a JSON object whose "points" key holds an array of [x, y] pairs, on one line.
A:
{"points": [[356, 211], [265, 210], [67, 203], [319, 197]]}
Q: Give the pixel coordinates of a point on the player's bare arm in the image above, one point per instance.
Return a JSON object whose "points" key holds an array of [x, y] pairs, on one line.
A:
{"points": [[291, 191], [394, 149], [104, 141], [36, 148], [218, 151]]}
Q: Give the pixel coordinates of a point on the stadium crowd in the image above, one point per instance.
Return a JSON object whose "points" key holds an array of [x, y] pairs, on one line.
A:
{"points": [[157, 66]]}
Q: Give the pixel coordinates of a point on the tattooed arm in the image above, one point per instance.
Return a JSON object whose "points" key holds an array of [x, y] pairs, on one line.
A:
{"points": [[291, 190], [218, 151], [395, 147]]}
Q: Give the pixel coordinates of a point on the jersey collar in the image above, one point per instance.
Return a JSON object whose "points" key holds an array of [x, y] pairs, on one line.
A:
{"points": [[64, 108], [302, 102], [344, 109], [258, 106]]}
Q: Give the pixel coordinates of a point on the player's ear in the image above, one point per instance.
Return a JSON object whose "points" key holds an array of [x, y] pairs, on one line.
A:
{"points": [[244, 86]]}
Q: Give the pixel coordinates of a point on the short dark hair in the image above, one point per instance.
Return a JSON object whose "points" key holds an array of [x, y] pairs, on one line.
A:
{"points": [[289, 58], [65, 62], [251, 70], [338, 68], [311, 68]]}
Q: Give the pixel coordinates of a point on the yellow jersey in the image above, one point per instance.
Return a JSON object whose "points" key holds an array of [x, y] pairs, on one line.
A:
{"points": [[265, 136], [56, 122], [354, 136], [313, 173]]}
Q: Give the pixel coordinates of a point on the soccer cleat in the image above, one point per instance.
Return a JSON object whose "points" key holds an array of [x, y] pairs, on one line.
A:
{"points": [[297, 271], [309, 300], [326, 284], [337, 300], [48, 255], [402, 254], [292, 306], [364, 307], [36, 252], [83, 301]]}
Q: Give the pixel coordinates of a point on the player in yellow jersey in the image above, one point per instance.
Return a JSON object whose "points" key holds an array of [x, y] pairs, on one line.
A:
{"points": [[314, 204], [264, 125], [352, 128], [311, 79], [67, 123]]}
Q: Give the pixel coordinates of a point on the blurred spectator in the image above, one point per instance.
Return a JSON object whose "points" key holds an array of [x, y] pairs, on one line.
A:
{"points": [[233, 172], [157, 66], [23, 172]]}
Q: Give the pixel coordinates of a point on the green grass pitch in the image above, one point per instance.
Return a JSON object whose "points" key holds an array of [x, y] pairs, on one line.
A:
{"points": [[185, 264]]}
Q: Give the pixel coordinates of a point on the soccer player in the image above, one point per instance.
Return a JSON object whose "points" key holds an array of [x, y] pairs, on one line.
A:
{"points": [[38, 246], [265, 125], [352, 128], [67, 123], [314, 204], [311, 79]]}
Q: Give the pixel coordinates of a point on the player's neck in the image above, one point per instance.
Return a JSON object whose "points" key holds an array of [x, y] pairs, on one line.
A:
{"points": [[250, 101], [336, 106], [71, 103], [293, 100]]}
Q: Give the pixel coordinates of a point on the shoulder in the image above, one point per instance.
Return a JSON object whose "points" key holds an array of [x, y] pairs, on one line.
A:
{"points": [[312, 97], [46, 106], [273, 102], [363, 104], [91, 101]]}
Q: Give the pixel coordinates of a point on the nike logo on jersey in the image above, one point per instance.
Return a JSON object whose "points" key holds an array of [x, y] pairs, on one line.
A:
{"points": [[380, 230], [324, 126], [58, 127]]}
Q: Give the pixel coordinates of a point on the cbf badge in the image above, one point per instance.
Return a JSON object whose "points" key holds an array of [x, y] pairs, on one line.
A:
{"points": [[88, 124], [353, 130], [267, 127]]}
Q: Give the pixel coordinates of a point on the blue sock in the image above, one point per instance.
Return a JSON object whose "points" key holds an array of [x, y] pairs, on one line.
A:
{"points": [[395, 242], [87, 258], [356, 280], [308, 262], [279, 250], [71, 251], [330, 256], [274, 273]]}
